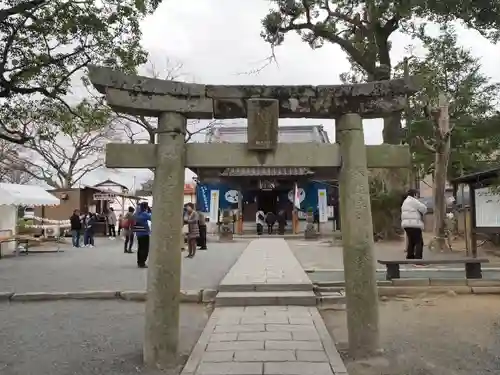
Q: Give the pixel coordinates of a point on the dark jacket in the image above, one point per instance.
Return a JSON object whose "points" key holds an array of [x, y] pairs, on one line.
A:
{"points": [[281, 218], [141, 225], [76, 222], [270, 218], [90, 223]]}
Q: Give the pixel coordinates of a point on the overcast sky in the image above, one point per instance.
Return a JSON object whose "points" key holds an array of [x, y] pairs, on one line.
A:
{"points": [[218, 42]]}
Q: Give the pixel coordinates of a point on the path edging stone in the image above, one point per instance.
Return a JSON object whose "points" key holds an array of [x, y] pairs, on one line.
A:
{"points": [[208, 295], [418, 282], [186, 296]]}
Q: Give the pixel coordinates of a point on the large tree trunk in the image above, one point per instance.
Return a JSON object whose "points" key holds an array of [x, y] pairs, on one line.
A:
{"points": [[395, 181], [392, 129], [442, 153]]}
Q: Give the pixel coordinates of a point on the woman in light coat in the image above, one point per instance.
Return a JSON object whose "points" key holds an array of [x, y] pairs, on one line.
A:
{"points": [[193, 229], [412, 221]]}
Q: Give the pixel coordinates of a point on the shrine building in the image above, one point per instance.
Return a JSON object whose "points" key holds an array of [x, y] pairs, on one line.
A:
{"points": [[268, 189]]}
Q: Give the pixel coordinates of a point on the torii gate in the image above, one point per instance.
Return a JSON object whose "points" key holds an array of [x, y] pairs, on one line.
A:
{"points": [[175, 102]]}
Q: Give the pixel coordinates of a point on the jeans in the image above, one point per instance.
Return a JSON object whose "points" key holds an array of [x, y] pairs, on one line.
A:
{"points": [[88, 237], [75, 237], [129, 241], [415, 243], [142, 249], [111, 230]]}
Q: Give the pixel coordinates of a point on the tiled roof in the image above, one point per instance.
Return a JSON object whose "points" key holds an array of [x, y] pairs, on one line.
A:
{"points": [[266, 171], [286, 134]]}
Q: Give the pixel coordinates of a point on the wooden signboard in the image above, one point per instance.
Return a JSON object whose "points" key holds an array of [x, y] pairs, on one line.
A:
{"points": [[262, 131], [104, 197]]}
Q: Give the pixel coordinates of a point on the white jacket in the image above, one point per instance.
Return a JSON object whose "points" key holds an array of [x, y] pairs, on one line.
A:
{"points": [[412, 213]]}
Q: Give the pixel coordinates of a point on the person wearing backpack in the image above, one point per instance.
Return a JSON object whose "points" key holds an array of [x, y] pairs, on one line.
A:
{"points": [[259, 221], [127, 224], [142, 231]]}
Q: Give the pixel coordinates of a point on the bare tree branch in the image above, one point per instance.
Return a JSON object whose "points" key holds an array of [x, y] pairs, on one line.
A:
{"points": [[74, 147], [426, 144], [141, 129]]}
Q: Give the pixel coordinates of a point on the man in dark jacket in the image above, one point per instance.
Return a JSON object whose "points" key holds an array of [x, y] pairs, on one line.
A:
{"points": [[76, 228], [142, 232], [202, 224], [281, 222], [270, 221]]}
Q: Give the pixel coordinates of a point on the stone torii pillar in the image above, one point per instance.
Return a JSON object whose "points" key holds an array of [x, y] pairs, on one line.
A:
{"points": [[164, 277], [163, 280], [357, 239]]}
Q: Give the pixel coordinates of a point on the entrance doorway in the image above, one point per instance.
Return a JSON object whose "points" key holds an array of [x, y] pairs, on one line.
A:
{"points": [[267, 201]]}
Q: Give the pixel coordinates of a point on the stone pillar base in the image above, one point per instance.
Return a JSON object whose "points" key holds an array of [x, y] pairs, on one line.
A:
{"points": [[225, 234]]}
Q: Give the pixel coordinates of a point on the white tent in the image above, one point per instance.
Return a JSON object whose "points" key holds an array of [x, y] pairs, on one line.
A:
{"points": [[13, 195], [26, 195]]}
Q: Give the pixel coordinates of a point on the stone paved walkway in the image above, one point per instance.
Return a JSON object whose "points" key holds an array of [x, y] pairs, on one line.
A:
{"points": [[270, 340], [267, 273], [266, 262], [245, 339]]}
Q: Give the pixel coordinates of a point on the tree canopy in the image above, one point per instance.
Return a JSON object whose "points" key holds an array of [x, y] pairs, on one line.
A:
{"points": [[363, 29], [451, 69], [44, 43]]}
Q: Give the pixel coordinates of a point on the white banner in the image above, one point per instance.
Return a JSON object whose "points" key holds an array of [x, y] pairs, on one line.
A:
{"points": [[322, 206], [214, 206]]}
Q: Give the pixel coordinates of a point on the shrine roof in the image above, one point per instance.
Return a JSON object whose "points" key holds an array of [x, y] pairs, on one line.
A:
{"points": [[266, 172], [477, 176], [286, 134]]}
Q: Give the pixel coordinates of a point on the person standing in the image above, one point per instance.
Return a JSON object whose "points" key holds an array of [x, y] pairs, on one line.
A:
{"points": [[259, 221], [111, 223], [120, 224], [142, 231], [281, 222], [127, 224], [202, 224], [193, 229], [76, 228], [88, 235], [412, 221]]}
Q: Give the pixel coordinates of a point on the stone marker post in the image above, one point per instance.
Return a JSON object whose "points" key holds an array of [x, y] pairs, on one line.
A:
{"points": [[357, 239], [163, 285]]}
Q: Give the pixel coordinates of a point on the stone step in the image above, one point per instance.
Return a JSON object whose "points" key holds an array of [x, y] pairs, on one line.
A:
{"points": [[329, 289], [330, 298], [267, 287], [268, 298]]}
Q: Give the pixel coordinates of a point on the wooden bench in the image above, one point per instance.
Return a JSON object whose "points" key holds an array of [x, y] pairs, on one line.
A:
{"points": [[472, 266], [17, 239]]}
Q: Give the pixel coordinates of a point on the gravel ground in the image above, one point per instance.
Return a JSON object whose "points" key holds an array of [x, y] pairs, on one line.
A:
{"points": [[106, 267], [83, 338], [431, 336], [321, 255]]}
